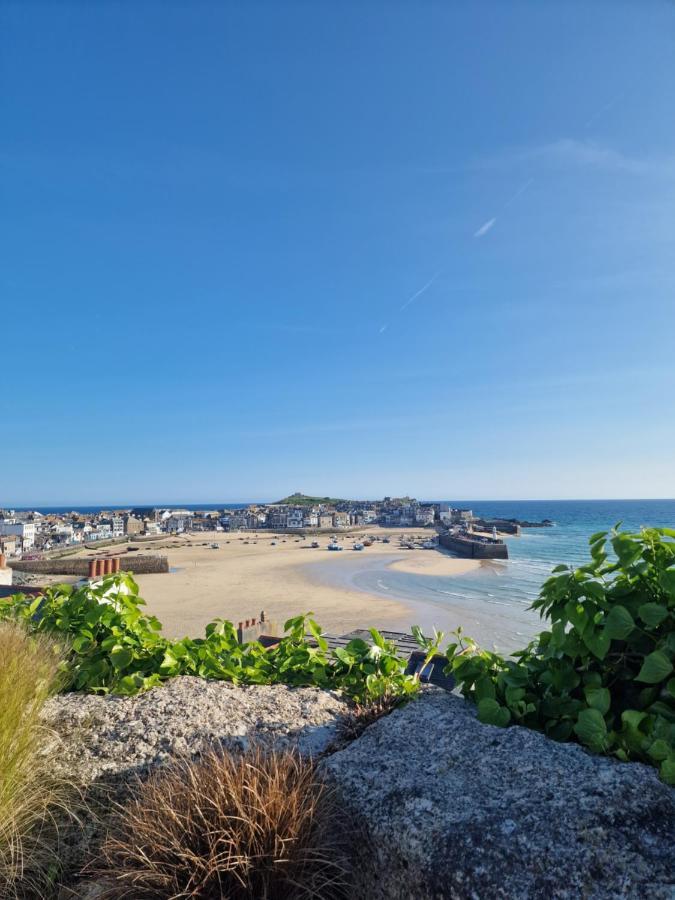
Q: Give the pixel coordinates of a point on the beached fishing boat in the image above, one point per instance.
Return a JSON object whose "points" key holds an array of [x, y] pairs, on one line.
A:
{"points": [[334, 546], [357, 546]]}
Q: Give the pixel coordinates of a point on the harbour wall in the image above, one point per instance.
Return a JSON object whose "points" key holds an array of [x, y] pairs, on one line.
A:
{"points": [[138, 565], [500, 524], [474, 549]]}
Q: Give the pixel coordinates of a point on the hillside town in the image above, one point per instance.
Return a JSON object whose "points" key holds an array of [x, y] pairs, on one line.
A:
{"points": [[29, 533]]}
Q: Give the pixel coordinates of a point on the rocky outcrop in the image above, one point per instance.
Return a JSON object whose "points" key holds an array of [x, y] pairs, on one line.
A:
{"points": [[441, 805], [456, 809], [113, 737]]}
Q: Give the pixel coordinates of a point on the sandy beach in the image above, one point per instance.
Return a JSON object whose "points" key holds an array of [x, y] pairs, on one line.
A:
{"points": [[284, 575]]}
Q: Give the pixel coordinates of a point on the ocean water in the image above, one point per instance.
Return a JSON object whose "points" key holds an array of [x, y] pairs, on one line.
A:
{"points": [[501, 591], [111, 507], [533, 555]]}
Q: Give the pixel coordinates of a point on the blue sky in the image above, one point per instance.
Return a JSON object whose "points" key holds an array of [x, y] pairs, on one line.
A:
{"points": [[356, 249]]}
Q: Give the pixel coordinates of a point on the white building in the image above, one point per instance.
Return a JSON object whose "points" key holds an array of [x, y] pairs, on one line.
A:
{"points": [[24, 530], [424, 515], [294, 519], [117, 526], [177, 523]]}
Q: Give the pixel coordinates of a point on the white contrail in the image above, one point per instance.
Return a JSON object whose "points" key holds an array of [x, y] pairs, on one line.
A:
{"points": [[420, 292], [603, 109], [485, 227], [415, 296], [521, 190]]}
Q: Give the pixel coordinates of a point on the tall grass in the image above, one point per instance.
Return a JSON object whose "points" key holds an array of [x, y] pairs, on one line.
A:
{"points": [[258, 825], [30, 792]]}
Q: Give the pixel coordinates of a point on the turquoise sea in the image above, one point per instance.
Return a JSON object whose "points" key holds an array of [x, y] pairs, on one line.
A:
{"points": [[538, 550], [498, 594]]}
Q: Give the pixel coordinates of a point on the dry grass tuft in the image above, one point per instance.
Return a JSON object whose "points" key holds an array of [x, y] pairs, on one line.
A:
{"points": [[259, 824], [30, 793]]}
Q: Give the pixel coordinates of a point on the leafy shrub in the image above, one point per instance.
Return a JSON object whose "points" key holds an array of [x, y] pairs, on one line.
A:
{"points": [[107, 633], [115, 648], [258, 824], [603, 674], [30, 793]]}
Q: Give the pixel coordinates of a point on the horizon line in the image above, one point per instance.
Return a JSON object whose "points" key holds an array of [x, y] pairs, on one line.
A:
{"points": [[197, 503]]}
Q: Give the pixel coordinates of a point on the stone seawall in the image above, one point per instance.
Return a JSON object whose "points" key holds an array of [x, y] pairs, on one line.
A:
{"points": [[474, 549], [139, 565], [502, 525]]}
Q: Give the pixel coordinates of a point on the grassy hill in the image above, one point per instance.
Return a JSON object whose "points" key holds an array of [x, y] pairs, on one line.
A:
{"points": [[304, 500]]}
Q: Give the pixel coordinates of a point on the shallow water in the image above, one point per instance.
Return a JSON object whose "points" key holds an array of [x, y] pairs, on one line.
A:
{"points": [[502, 590]]}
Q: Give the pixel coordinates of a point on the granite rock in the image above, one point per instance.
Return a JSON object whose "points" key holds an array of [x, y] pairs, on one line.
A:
{"points": [[109, 737], [452, 808]]}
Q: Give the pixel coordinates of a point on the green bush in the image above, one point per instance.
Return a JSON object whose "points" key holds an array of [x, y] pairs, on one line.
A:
{"points": [[603, 673], [115, 648]]}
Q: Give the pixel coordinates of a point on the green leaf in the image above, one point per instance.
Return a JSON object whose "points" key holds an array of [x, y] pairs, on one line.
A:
{"points": [[491, 713], [577, 615], [598, 642], [343, 656], [632, 718], [598, 698], [591, 729], [627, 549], [316, 634], [170, 662], [484, 688], [660, 750], [130, 684], [652, 614], [619, 623], [667, 581], [665, 710], [655, 668], [82, 644], [667, 770], [121, 656]]}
